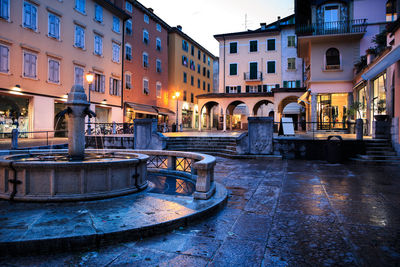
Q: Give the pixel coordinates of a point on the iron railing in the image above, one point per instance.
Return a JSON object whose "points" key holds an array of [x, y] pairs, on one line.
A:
{"points": [[109, 128], [335, 27], [253, 76]]}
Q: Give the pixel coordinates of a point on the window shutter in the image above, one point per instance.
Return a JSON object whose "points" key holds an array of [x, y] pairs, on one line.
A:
{"points": [[259, 88], [4, 58], [119, 88], [26, 64], [57, 72], [277, 85], [265, 88], [247, 88], [102, 83], [227, 89], [285, 84], [111, 85], [33, 18], [27, 16], [239, 89], [298, 83], [51, 70], [33, 66]]}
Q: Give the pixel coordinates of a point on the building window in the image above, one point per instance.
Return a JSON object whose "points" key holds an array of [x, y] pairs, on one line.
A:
{"points": [[115, 52], [128, 6], [192, 97], [391, 13], [30, 65], [254, 46], [184, 61], [191, 80], [54, 26], [208, 73], [30, 16], [199, 55], [146, 87], [128, 52], [291, 63], [79, 37], [184, 77], [204, 71], [291, 84], [271, 45], [204, 85], [268, 87], [80, 6], [98, 13], [192, 50], [128, 27], [99, 83], [204, 58], [208, 61], [145, 60], [98, 45], [54, 71], [145, 37], [233, 69], [208, 87], [185, 46], [158, 90], [233, 48], [271, 67], [184, 95], [5, 9], [115, 87], [158, 66], [332, 59], [158, 28], [116, 23], [291, 41], [4, 59], [192, 65], [158, 44], [78, 74], [331, 14], [146, 18], [198, 83], [128, 83]]}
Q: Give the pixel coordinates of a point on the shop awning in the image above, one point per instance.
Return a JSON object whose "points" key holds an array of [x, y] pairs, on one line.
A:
{"points": [[164, 111], [304, 98], [388, 60], [140, 108]]}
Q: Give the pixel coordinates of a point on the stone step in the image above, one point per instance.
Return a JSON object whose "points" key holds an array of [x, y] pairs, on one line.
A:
{"points": [[381, 153], [205, 151], [378, 148], [378, 157], [375, 162], [201, 141], [205, 148]]}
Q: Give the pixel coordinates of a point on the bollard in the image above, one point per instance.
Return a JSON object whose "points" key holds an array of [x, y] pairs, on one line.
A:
{"points": [[14, 139]]}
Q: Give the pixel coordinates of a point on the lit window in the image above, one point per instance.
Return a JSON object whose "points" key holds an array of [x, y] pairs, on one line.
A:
{"points": [[78, 75], [115, 52], [98, 13], [30, 65], [54, 71], [146, 18], [80, 5], [98, 44], [79, 37], [4, 59], [115, 24], [5, 9], [30, 16], [115, 87]]}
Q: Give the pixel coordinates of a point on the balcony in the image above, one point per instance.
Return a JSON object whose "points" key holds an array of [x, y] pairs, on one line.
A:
{"points": [[253, 76], [335, 27]]}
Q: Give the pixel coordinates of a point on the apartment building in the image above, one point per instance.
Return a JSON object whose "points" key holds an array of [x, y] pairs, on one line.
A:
{"points": [[48, 46], [146, 64], [190, 74]]}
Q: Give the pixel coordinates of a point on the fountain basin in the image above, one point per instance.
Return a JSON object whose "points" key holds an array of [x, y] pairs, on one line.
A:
{"points": [[46, 177]]}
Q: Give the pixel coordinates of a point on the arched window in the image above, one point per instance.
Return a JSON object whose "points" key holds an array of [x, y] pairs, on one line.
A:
{"points": [[332, 59]]}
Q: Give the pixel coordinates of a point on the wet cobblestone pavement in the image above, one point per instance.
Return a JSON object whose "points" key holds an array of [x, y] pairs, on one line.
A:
{"points": [[279, 213]]}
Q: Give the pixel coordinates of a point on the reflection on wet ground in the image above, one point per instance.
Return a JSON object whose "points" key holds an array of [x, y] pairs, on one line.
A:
{"points": [[279, 213], [170, 185]]}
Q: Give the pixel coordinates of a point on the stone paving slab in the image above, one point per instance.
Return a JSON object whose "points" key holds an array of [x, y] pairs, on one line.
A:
{"points": [[279, 213]]}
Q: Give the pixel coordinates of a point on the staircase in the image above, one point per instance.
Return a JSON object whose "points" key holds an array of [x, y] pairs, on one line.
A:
{"points": [[378, 151], [217, 146]]}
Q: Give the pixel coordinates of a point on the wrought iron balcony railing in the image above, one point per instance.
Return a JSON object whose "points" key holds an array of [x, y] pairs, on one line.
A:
{"points": [[253, 76], [335, 27]]}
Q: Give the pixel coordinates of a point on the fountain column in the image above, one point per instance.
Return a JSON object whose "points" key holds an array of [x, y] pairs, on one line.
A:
{"points": [[77, 106]]}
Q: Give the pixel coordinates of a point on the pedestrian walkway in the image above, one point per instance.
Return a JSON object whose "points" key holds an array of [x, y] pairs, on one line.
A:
{"points": [[32, 142], [279, 213]]}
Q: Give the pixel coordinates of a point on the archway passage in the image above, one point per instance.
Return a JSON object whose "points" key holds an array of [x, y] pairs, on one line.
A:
{"points": [[237, 113], [289, 107], [207, 118], [263, 108]]}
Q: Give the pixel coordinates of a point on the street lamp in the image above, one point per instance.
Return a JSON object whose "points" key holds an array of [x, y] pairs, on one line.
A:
{"points": [[176, 96], [89, 79]]}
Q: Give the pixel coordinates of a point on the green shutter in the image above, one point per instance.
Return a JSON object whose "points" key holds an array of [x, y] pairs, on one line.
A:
{"points": [[271, 45], [271, 66], [226, 89], [247, 88], [239, 89], [277, 85], [285, 84], [265, 88], [298, 83], [233, 69], [259, 88]]}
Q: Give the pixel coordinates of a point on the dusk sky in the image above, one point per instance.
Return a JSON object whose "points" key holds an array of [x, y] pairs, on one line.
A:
{"points": [[201, 19]]}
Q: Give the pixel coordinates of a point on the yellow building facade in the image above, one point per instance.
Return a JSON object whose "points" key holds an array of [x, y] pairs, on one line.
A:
{"points": [[190, 74]]}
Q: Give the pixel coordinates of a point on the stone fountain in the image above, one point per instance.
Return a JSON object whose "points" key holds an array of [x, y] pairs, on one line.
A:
{"points": [[73, 175]]}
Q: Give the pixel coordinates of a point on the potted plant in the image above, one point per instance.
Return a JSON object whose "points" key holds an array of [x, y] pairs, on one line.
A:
{"points": [[381, 108]]}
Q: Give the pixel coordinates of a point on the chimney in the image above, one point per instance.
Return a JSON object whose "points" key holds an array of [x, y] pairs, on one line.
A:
{"points": [[179, 27], [263, 25], [279, 18], [150, 9]]}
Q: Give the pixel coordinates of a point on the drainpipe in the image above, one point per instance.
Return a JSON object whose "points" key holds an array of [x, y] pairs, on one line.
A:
{"points": [[122, 68], [223, 89]]}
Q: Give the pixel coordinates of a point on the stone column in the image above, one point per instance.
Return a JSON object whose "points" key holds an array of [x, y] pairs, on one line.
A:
{"points": [[224, 122], [369, 106], [314, 111]]}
